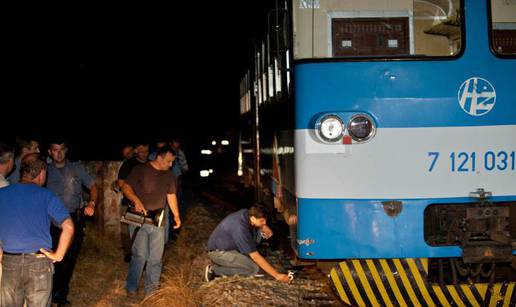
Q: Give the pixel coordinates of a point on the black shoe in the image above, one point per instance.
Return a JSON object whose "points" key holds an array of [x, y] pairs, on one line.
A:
{"points": [[209, 275], [127, 258], [62, 303]]}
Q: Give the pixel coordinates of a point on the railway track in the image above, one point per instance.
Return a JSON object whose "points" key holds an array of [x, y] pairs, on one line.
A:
{"points": [[310, 286]]}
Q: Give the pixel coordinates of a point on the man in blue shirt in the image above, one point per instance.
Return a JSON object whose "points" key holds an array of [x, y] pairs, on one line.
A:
{"points": [[26, 210], [24, 147], [67, 179], [232, 246]]}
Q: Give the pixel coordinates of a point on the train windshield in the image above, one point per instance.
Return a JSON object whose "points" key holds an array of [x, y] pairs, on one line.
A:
{"points": [[503, 27], [386, 28]]}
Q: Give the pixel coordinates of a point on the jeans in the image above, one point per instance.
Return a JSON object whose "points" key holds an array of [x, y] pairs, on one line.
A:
{"points": [[147, 248], [232, 263], [28, 278]]}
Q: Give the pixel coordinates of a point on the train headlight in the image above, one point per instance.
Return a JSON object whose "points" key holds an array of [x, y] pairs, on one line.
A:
{"points": [[330, 128], [361, 127]]}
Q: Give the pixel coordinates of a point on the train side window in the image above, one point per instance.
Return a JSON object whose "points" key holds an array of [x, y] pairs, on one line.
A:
{"points": [[503, 27], [357, 28]]}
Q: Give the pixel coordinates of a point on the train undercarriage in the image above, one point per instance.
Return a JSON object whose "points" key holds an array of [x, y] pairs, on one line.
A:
{"points": [[485, 275]]}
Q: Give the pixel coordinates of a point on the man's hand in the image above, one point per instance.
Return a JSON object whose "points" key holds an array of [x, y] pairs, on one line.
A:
{"points": [[51, 255], [282, 277], [138, 207], [90, 209], [178, 222], [266, 232]]}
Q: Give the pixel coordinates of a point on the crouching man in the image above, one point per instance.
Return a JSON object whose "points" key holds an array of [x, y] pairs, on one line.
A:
{"points": [[232, 246], [26, 210]]}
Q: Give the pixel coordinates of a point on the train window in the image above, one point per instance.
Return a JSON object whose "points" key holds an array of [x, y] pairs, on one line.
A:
{"points": [[245, 94], [389, 28], [270, 80], [503, 27], [277, 78]]}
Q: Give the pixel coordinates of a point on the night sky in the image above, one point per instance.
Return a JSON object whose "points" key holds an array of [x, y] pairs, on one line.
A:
{"points": [[178, 66]]}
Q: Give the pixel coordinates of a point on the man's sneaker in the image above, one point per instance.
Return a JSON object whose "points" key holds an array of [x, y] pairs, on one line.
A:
{"points": [[209, 275]]}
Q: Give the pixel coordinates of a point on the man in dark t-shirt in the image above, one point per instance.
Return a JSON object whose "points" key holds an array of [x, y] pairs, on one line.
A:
{"points": [[149, 187], [141, 154], [232, 246]]}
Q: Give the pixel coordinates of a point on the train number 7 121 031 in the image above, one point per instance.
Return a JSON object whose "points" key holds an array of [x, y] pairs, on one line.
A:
{"points": [[464, 161]]}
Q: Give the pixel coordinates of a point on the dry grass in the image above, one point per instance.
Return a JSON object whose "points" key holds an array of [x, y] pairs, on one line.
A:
{"points": [[99, 278], [182, 273], [176, 289]]}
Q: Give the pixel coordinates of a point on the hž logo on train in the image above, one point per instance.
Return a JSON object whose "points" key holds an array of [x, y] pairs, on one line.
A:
{"points": [[476, 96]]}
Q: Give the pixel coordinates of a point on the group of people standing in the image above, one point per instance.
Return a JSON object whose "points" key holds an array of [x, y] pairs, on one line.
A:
{"points": [[42, 214], [41, 230]]}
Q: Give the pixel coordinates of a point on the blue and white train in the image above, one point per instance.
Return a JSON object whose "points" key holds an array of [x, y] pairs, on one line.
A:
{"points": [[384, 133]]}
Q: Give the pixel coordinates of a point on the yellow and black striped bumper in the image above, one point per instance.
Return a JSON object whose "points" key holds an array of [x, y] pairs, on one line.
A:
{"points": [[403, 282]]}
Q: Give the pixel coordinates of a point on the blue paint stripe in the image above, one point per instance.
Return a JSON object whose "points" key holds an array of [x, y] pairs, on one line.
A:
{"points": [[343, 228], [418, 96], [416, 201], [401, 94]]}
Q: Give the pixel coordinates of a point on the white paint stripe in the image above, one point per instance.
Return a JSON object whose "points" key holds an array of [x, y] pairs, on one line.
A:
{"points": [[395, 164]]}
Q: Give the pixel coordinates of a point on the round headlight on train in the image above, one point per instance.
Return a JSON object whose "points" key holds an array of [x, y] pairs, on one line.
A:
{"points": [[361, 127], [330, 128]]}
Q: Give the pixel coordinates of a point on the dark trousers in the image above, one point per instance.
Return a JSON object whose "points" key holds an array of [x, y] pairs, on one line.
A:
{"points": [[64, 269], [28, 278]]}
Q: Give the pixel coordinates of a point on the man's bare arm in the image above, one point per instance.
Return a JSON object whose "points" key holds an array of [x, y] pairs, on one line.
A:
{"points": [[90, 208], [131, 195], [174, 206], [264, 265], [64, 241]]}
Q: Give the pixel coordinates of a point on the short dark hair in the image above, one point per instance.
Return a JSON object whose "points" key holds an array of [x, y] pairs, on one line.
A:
{"points": [[164, 150], [56, 141], [258, 211], [140, 143], [32, 165], [6, 153]]}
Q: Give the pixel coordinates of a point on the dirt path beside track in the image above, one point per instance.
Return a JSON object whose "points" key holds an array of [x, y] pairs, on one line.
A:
{"points": [[100, 274]]}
